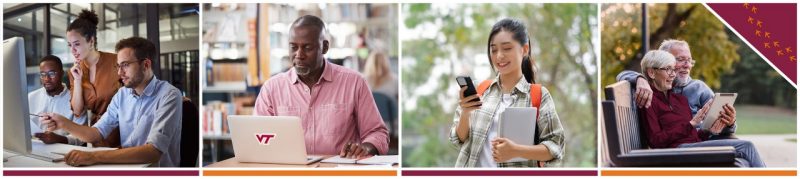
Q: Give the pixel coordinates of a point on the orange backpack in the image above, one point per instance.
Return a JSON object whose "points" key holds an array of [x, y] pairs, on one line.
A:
{"points": [[536, 100]]}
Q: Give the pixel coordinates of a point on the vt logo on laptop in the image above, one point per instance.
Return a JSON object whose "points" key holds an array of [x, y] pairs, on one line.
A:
{"points": [[263, 138]]}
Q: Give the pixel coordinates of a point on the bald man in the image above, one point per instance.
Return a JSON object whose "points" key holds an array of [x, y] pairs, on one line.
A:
{"points": [[338, 113]]}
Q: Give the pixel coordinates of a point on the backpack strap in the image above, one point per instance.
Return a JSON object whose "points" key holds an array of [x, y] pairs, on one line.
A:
{"points": [[536, 97], [484, 86], [536, 101]]}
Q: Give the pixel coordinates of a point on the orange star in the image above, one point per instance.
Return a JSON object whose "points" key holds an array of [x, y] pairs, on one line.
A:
{"points": [[766, 45], [758, 33], [750, 20], [791, 58], [780, 52], [766, 34], [746, 5], [788, 49], [754, 9], [776, 44], [758, 23]]}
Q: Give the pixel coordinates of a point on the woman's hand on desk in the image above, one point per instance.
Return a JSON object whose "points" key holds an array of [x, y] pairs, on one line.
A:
{"points": [[51, 138]]}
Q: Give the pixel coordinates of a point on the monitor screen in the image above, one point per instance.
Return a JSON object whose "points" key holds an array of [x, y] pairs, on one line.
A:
{"points": [[16, 125]]}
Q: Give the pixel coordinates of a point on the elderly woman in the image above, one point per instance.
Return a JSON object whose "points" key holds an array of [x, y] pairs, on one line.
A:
{"points": [[668, 121]]}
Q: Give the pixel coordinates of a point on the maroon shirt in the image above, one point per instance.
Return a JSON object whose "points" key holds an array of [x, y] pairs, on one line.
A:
{"points": [[666, 122]]}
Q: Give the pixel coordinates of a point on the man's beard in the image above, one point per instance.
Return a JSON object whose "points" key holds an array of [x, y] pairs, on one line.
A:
{"points": [[681, 81], [136, 80], [52, 90]]}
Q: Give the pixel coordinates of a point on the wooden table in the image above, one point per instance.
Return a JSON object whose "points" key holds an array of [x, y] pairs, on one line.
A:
{"points": [[232, 162]]}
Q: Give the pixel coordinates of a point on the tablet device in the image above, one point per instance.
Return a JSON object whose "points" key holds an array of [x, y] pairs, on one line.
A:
{"points": [[720, 99], [518, 124]]}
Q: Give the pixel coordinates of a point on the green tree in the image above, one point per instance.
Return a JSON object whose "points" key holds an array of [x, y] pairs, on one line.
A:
{"points": [[621, 32]]}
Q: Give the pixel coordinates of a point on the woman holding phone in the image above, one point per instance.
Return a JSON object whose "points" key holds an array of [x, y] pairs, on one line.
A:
{"points": [[475, 124], [94, 75]]}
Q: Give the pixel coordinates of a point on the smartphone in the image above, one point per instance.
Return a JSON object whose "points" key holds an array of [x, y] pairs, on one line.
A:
{"points": [[467, 81]]}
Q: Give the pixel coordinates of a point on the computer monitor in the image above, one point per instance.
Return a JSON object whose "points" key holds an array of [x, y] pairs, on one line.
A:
{"points": [[16, 125]]}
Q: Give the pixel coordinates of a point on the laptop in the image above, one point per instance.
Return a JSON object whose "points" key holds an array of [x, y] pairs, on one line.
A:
{"points": [[269, 139], [518, 124]]}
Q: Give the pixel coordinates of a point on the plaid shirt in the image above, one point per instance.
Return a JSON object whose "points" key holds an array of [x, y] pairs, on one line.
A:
{"points": [[551, 133]]}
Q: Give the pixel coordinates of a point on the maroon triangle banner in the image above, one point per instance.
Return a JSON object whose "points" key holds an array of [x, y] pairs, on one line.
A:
{"points": [[770, 27]]}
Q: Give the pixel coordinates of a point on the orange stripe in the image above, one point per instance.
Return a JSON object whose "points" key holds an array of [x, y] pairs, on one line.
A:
{"points": [[299, 172], [698, 173]]}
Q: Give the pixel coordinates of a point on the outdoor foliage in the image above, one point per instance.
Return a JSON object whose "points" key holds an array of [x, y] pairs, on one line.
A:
{"points": [[442, 41]]}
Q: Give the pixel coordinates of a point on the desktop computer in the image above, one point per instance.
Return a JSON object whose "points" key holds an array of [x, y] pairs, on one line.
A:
{"points": [[16, 122], [16, 127]]}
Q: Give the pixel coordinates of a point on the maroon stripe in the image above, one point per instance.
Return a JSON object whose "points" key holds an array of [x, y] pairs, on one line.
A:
{"points": [[101, 173], [499, 172]]}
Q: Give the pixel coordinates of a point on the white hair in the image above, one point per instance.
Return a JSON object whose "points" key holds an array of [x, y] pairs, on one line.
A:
{"points": [[656, 59], [667, 45]]}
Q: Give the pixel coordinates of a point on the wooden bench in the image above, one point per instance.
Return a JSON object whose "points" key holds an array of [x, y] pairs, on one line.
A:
{"points": [[624, 145]]}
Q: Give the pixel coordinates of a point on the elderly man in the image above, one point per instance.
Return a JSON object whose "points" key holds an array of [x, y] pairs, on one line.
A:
{"points": [[338, 112], [696, 91]]}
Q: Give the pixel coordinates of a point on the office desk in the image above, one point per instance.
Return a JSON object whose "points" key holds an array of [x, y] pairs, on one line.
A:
{"points": [[18, 160], [232, 162]]}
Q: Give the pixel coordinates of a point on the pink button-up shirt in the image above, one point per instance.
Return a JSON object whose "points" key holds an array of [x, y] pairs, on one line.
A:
{"points": [[338, 109]]}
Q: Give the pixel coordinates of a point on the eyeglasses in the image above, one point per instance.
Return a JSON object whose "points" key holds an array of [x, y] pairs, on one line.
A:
{"points": [[124, 65], [685, 60], [669, 70], [49, 74]]}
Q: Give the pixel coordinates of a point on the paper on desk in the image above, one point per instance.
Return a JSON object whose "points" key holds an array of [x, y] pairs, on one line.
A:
{"points": [[379, 160], [337, 159], [374, 160], [364, 166]]}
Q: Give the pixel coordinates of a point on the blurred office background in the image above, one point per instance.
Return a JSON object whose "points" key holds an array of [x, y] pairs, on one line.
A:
{"points": [[173, 28], [442, 41], [244, 44]]}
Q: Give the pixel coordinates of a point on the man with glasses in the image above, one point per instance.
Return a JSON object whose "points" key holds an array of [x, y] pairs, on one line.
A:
{"points": [[696, 91], [147, 112], [53, 97]]}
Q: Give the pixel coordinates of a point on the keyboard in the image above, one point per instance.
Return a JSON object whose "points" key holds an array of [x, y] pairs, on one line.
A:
{"points": [[46, 156]]}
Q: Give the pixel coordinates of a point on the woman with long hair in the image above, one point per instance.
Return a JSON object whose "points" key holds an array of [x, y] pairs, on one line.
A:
{"points": [[475, 124]]}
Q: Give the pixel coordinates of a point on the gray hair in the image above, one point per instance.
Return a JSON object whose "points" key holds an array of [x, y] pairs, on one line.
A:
{"points": [[666, 45], [656, 59]]}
